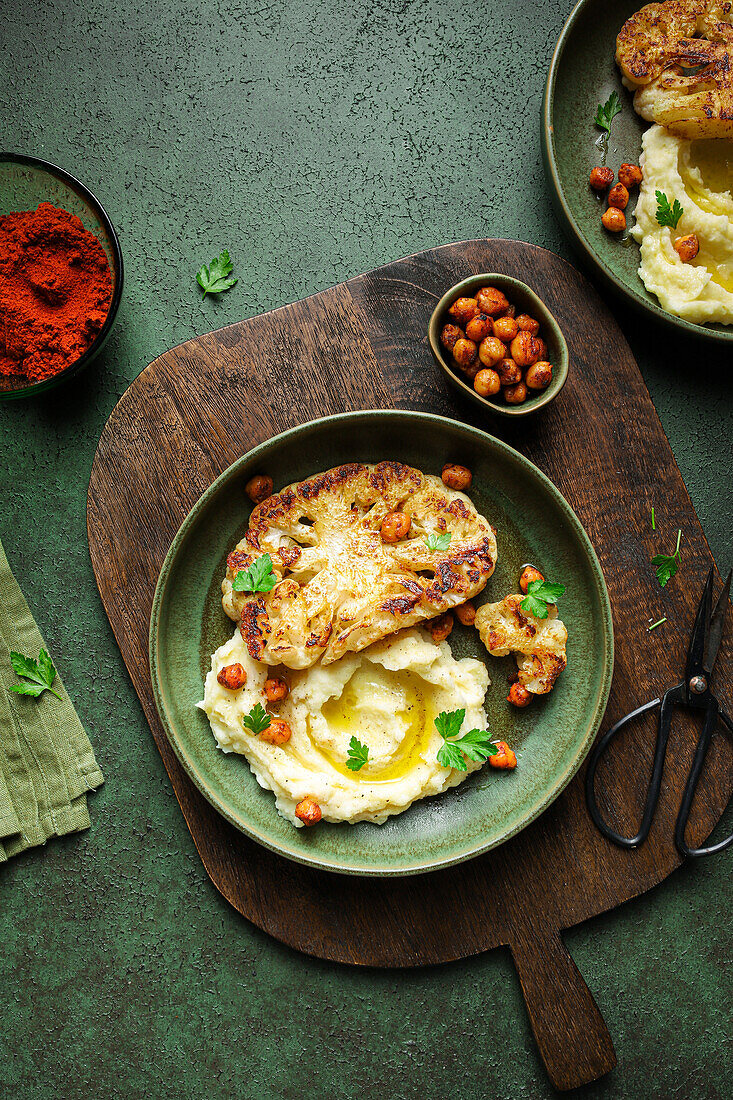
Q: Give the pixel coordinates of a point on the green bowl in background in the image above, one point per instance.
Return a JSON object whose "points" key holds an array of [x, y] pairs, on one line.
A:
{"points": [[526, 301], [24, 183], [551, 737], [583, 73]]}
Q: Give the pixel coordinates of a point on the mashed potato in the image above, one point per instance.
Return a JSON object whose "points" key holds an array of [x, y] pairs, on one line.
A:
{"points": [[387, 696], [698, 175]]}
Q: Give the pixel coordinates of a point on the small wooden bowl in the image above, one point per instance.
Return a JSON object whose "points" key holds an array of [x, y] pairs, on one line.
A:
{"points": [[526, 301]]}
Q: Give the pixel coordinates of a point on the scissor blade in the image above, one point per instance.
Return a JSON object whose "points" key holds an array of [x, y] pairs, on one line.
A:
{"points": [[717, 622], [696, 652]]}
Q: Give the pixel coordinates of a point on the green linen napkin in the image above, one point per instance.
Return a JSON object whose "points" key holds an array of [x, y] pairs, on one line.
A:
{"points": [[47, 764]]}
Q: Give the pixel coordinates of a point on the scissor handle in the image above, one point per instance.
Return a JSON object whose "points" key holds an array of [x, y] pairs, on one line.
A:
{"points": [[712, 715], [665, 704]]}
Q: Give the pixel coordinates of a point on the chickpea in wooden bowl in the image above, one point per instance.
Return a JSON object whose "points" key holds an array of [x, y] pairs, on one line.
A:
{"points": [[498, 343]]}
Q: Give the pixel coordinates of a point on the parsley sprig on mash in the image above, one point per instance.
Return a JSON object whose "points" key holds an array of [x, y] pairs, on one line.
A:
{"points": [[476, 744], [257, 721], [358, 755], [668, 214]]}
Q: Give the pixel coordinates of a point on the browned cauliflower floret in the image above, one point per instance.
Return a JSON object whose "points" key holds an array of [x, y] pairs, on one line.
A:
{"points": [[677, 56], [538, 644], [340, 585]]}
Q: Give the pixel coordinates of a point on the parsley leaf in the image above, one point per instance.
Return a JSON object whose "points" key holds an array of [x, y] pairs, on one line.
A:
{"points": [[437, 542], [216, 278], [257, 720], [539, 595], [358, 755], [40, 674], [666, 214], [258, 578], [449, 722], [667, 564], [476, 744], [607, 112], [450, 756]]}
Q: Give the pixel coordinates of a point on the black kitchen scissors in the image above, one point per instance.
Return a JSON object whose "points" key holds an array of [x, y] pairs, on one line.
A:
{"points": [[694, 693]]}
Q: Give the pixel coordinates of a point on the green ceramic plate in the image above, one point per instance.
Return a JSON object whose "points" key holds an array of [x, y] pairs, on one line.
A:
{"points": [[551, 737], [583, 73], [526, 301]]}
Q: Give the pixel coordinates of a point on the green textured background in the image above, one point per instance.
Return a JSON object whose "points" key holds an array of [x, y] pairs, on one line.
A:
{"points": [[315, 141]]}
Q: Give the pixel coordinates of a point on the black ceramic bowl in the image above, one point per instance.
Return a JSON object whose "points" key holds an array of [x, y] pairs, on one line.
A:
{"points": [[24, 183]]}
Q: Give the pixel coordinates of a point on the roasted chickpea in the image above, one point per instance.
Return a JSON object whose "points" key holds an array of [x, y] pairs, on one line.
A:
{"points": [[630, 175], [233, 677], [277, 733], [516, 395], [487, 383], [539, 375], [457, 477], [449, 335], [509, 373], [308, 811], [519, 696], [464, 352], [259, 488], [492, 301], [510, 311], [601, 178], [614, 220], [504, 758], [276, 689], [526, 349], [618, 196], [543, 348], [491, 351], [479, 327], [466, 613], [529, 575], [527, 324], [395, 526], [472, 371], [440, 627], [463, 309], [687, 247], [506, 328]]}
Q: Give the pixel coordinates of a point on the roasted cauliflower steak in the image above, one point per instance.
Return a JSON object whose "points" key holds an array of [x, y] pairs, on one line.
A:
{"points": [[677, 57], [340, 587], [538, 644]]}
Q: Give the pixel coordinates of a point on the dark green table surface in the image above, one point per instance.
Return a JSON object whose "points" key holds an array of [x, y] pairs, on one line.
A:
{"points": [[315, 141]]}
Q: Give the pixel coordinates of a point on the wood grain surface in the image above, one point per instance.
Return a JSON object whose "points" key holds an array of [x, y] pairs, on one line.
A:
{"points": [[363, 345]]}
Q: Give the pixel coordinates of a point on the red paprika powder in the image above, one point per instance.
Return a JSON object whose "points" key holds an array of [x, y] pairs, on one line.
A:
{"points": [[55, 291]]}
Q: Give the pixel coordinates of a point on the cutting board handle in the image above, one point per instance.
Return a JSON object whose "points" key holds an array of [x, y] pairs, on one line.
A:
{"points": [[571, 1034]]}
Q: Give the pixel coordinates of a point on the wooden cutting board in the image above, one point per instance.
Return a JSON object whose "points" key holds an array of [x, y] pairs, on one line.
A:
{"points": [[361, 345]]}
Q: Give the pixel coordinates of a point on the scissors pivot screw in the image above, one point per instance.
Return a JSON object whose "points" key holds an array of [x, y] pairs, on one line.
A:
{"points": [[698, 685]]}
